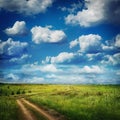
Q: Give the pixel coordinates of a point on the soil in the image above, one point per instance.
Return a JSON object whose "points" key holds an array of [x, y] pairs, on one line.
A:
{"points": [[48, 114]]}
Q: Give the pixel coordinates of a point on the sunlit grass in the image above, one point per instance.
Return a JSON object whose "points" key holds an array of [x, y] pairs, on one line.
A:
{"points": [[8, 109], [76, 102], [82, 102]]}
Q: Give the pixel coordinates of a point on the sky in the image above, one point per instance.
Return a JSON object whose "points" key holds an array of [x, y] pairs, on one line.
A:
{"points": [[60, 41]]}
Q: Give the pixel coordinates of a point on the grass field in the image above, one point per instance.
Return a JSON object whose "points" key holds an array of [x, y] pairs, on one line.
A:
{"points": [[76, 102]]}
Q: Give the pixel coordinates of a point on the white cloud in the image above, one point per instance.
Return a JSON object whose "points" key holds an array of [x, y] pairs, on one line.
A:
{"points": [[46, 68], [49, 68], [87, 17], [12, 76], [11, 47], [107, 47], [94, 12], [73, 7], [76, 74], [52, 73], [111, 59], [20, 59], [73, 43], [118, 72], [93, 56], [87, 42], [28, 7], [112, 45], [92, 69], [46, 35], [19, 28], [117, 42], [61, 58], [36, 80]]}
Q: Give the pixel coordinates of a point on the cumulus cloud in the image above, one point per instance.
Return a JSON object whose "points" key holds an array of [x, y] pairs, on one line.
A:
{"points": [[89, 42], [46, 35], [61, 58], [92, 69], [12, 48], [49, 68], [51, 73], [27, 7], [19, 28], [95, 11], [73, 7], [112, 11], [96, 57], [107, 47], [46, 68], [12, 77], [73, 43], [76, 74], [112, 45], [111, 59], [20, 59], [117, 41]]}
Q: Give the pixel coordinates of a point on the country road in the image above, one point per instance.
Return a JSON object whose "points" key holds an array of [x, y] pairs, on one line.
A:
{"points": [[27, 114]]}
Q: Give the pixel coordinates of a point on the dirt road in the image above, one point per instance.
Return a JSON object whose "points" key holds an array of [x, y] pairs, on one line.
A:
{"points": [[25, 112], [39, 110]]}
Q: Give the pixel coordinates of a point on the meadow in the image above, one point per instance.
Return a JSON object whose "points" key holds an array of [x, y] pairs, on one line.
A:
{"points": [[75, 102]]}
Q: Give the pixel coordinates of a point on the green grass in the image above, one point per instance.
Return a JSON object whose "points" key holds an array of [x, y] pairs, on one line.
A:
{"points": [[76, 102], [35, 113], [82, 102], [8, 109]]}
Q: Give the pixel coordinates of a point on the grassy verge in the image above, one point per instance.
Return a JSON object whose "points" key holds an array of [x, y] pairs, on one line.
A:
{"points": [[8, 109]]}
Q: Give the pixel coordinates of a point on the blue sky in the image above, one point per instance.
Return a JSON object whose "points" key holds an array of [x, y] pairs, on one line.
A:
{"points": [[60, 41]]}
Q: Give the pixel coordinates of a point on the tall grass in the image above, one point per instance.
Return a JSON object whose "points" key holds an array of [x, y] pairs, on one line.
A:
{"points": [[82, 102], [8, 109], [76, 102]]}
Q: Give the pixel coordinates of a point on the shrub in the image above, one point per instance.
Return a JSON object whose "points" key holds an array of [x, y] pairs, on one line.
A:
{"points": [[12, 93], [23, 92], [18, 92], [8, 87], [29, 91]]}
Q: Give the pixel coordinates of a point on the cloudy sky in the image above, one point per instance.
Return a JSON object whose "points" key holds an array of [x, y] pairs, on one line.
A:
{"points": [[60, 41]]}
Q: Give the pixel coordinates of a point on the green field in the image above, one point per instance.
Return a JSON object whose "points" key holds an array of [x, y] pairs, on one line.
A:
{"points": [[76, 102]]}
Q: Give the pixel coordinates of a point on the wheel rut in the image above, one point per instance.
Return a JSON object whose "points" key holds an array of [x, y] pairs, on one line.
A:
{"points": [[22, 102]]}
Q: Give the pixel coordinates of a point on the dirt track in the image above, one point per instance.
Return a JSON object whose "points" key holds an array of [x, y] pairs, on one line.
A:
{"points": [[26, 114], [29, 116]]}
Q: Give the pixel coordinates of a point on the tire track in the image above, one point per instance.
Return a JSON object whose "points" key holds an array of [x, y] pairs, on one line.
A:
{"points": [[39, 110], [26, 113]]}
